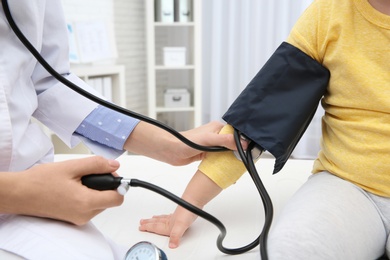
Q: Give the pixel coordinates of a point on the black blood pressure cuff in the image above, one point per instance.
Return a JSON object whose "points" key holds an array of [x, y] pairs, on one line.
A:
{"points": [[276, 107]]}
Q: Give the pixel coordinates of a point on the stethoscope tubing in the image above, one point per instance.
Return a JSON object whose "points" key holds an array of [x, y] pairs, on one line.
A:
{"points": [[245, 157]]}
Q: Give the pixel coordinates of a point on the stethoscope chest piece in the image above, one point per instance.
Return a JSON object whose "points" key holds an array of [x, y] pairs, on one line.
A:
{"points": [[145, 251]]}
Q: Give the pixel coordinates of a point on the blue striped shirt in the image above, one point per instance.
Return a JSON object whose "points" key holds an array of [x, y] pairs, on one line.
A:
{"points": [[107, 127]]}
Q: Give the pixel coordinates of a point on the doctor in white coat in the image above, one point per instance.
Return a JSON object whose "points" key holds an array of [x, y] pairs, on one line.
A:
{"points": [[44, 208]]}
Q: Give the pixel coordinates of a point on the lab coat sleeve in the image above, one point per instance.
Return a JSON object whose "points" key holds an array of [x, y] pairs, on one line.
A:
{"points": [[62, 110]]}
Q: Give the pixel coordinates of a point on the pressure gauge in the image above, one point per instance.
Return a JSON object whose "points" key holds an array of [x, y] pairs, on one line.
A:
{"points": [[145, 251]]}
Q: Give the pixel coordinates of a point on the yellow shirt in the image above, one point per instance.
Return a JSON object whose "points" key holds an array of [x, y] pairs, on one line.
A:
{"points": [[352, 40]]}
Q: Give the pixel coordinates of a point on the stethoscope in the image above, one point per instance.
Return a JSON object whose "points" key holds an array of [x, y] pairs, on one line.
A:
{"points": [[146, 250]]}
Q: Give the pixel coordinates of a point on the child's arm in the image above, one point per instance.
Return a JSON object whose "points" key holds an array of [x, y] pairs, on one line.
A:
{"points": [[216, 172], [200, 190]]}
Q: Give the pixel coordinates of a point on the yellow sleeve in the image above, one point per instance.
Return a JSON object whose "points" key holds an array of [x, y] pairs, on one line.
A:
{"points": [[222, 167], [311, 30]]}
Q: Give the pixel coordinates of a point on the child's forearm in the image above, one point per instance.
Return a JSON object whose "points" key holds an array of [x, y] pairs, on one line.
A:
{"points": [[200, 182], [222, 167], [216, 172]]}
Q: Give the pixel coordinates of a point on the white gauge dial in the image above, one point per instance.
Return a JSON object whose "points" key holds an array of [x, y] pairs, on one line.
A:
{"points": [[145, 251]]}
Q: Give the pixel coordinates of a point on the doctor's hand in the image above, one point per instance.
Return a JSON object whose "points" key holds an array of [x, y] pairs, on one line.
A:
{"points": [[158, 144], [54, 190], [199, 192]]}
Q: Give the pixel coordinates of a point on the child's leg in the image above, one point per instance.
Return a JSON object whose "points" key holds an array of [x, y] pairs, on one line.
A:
{"points": [[328, 218], [383, 205]]}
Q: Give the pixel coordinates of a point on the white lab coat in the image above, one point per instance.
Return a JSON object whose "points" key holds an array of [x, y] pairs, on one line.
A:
{"points": [[27, 90]]}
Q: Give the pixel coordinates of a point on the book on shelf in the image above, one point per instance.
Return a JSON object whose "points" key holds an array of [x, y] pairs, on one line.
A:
{"points": [[173, 11]]}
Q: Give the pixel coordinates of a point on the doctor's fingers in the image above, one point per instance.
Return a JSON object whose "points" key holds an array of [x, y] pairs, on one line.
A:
{"points": [[101, 200], [214, 134], [94, 203], [91, 165]]}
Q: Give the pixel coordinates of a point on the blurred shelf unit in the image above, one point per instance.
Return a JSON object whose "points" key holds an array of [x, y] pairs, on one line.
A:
{"points": [[108, 80], [173, 32]]}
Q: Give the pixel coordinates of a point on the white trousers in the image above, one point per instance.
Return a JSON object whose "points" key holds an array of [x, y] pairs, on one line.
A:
{"points": [[38, 238], [330, 218]]}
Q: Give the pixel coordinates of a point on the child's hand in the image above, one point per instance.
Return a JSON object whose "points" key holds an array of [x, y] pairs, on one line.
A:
{"points": [[173, 225]]}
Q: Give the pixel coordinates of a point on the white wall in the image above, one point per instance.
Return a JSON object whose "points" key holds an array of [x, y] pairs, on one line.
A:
{"points": [[127, 19], [88, 9]]}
